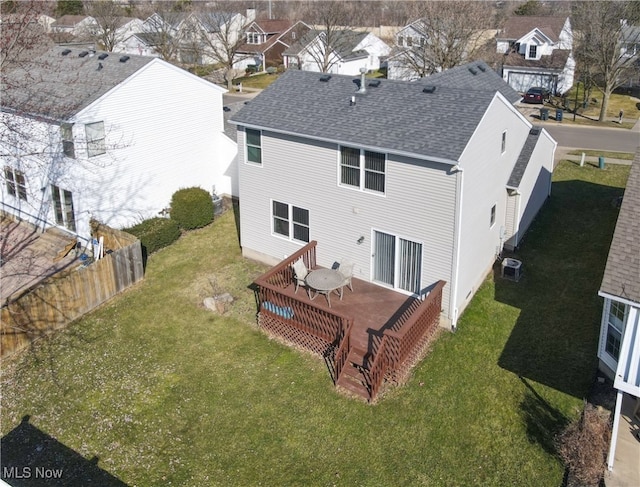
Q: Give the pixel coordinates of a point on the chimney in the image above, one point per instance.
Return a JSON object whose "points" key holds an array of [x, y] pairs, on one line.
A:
{"points": [[363, 83], [251, 15]]}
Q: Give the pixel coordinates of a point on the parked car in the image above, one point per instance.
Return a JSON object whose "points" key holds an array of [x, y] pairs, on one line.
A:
{"points": [[536, 95]]}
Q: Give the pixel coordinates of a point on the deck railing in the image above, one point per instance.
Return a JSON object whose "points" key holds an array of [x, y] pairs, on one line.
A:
{"points": [[394, 347], [294, 318]]}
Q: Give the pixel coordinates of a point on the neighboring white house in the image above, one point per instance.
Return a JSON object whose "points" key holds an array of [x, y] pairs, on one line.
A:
{"points": [[341, 52], [413, 182], [619, 346], [97, 134], [76, 25], [141, 44], [537, 51]]}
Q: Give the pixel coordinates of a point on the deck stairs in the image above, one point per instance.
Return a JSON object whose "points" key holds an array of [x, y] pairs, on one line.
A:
{"points": [[352, 377]]}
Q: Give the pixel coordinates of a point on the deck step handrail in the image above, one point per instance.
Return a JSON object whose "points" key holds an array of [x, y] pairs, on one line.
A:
{"points": [[342, 353], [423, 319]]}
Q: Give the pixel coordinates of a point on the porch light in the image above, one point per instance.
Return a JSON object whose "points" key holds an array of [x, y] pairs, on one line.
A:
{"points": [[360, 240]]}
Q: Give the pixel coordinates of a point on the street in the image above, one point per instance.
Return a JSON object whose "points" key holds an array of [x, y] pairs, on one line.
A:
{"points": [[606, 139]]}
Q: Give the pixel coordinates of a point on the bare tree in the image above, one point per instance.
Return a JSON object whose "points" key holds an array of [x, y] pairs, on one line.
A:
{"points": [[161, 30], [108, 15], [449, 34], [21, 36], [605, 43], [332, 34], [216, 34]]}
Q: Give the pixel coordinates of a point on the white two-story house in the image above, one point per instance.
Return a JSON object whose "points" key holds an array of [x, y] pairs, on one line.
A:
{"points": [[97, 134], [537, 51], [414, 182]]}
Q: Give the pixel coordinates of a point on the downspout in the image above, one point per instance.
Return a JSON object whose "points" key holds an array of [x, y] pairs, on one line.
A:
{"points": [[456, 243]]}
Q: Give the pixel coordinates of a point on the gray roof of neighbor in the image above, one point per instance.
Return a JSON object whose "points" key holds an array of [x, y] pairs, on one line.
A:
{"points": [[622, 272], [57, 86], [523, 159], [344, 42], [476, 75], [396, 116]]}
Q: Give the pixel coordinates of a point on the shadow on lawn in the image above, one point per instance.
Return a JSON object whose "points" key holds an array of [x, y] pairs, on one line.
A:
{"points": [[554, 340], [30, 458]]}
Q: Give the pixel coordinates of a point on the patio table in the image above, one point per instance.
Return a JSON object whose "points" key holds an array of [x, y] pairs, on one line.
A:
{"points": [[325, 281]]}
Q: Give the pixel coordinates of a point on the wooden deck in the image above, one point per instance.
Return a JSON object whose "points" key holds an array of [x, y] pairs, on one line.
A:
{"points": [[372, 336]]}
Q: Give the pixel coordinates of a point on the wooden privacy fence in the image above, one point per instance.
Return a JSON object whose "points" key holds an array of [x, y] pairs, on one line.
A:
{"points": [[60, 299]]}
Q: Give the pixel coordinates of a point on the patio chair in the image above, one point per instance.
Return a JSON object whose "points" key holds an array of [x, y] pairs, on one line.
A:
{"points": [[300, 272], [346, 269]]}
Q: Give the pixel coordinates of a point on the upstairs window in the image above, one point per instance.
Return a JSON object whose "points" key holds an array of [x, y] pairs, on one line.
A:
{"points": [[254, 146], [492, 217], [68, 148], [16, 183], [363, 169], [400, 41], [533, 52], [95, 138], [504, 142], [615, 326]]}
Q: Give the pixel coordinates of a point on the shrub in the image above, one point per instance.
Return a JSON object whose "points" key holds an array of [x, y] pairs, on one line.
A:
{"points": [[272, 70], [155, 233], [583, 446], [191, 208]]}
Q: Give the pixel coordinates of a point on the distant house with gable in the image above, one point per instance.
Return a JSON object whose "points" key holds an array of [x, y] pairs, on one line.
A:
{"points": [[537, 51], [340, 52]]}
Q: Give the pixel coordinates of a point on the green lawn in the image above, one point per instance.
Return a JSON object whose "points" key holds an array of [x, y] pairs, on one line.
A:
{"points": [[166, 393]]}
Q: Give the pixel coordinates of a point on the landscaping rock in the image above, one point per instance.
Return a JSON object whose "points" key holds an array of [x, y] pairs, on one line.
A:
{"points": [[219, 304]]}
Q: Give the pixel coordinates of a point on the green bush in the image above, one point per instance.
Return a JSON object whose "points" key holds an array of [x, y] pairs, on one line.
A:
{"points": [[191, 208], [155, 233]]}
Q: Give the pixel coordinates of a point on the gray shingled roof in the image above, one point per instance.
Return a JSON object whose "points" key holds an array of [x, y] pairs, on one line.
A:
{"points": [[476, 75], [622, 273], [524, 158], [519, 25], [396, 116], [57, 86]]}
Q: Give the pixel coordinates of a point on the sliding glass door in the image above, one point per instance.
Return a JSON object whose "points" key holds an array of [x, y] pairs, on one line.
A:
{"points": [[397, 262]]}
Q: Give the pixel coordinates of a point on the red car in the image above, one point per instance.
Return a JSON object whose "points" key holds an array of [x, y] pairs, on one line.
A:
{"points": [[536, 95]]}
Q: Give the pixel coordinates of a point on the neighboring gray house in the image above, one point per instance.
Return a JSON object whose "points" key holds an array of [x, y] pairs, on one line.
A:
{"points": [[414, 182], [619, 347], [537, 52]]}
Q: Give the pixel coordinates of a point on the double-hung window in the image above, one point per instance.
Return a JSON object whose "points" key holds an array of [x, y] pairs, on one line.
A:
{"points": [[68, 148], [290, 221], [533, 51], [363, 169], [95, 138], [615, 327], [254, 146], [16, 183]]}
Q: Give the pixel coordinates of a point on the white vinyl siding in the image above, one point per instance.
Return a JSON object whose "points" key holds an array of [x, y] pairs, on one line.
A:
{"points": [[419, 196]]}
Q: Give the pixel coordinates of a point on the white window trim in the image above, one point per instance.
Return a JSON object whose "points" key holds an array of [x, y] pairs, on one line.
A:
{"points": [[290, 207], [362, 187], [13, 186]]}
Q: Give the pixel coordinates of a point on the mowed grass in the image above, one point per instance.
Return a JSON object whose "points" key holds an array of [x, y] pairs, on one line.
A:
{"points": [[164, 392]]}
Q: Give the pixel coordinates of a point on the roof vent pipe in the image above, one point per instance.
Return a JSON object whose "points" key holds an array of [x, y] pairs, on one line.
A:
{"points": [[363, 84]]}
